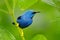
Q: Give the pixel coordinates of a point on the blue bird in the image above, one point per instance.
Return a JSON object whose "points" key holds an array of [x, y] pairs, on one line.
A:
{"points": [[26, 19]]}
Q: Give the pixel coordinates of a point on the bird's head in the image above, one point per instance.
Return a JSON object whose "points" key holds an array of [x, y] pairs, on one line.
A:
{"points": [[30, 13]]}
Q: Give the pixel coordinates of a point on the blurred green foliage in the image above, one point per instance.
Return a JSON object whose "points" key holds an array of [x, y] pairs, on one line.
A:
{"points": [[46, 25]]}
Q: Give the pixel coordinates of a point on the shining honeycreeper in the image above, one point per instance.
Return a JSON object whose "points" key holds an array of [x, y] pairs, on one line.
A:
{"points": [[26, 19]]}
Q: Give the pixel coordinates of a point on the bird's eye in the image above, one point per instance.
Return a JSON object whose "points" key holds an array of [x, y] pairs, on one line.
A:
{"points": [[19, 17]]}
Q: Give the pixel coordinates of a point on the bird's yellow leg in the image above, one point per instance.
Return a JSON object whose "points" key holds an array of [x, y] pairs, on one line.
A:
{"points": [[20, 31]]}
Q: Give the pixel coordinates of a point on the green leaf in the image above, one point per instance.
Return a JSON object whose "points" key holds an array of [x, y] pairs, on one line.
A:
{"points": [[47, 22], [6, 23], [6, 7], [6, 35], [25, 4], [39, 37]]}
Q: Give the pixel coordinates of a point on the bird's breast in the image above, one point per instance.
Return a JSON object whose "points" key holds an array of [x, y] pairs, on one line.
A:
{"points": [[25, 22]]}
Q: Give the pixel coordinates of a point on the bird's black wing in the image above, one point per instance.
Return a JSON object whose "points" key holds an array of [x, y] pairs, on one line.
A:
{"points": [[19, 18]]}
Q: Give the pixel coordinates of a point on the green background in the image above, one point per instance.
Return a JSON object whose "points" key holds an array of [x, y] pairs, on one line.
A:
{"points": [[45, 26]]}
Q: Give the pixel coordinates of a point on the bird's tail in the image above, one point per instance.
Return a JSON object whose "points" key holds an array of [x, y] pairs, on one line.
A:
{"points": [[13, 23]]}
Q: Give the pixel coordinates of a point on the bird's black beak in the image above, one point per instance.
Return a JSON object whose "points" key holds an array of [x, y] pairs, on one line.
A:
{"points": [[36, 12]]}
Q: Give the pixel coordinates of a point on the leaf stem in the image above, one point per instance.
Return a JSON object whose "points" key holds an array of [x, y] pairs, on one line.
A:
{"points": [[11, 12]]}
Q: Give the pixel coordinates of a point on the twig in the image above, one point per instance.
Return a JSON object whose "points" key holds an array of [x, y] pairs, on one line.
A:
{"points": [[11, 12]]}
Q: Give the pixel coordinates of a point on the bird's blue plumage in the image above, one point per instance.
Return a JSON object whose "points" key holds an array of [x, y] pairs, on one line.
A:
{"points": [[26, 19]]}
